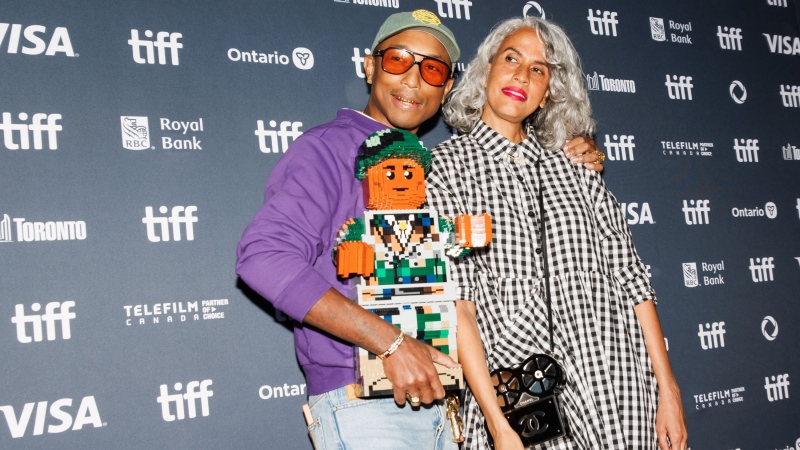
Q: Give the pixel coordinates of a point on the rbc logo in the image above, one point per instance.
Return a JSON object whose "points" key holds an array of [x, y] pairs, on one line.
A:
{"points": [[192, 394], [180, 215], [635, 215], [135, 132], [59, 41], [50, 318], [164, 40]]}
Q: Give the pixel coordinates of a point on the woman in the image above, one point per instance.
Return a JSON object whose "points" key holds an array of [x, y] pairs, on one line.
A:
{"points": [[520, 100]]}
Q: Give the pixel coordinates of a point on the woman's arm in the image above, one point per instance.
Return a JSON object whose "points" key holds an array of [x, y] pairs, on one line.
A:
{"points": [[670, 419], [473, 361]]}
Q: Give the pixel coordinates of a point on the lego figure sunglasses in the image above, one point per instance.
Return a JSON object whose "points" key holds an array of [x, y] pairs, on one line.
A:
{"points": [[398, 60]]}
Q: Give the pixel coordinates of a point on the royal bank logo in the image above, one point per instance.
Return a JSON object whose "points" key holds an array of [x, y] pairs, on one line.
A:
{"points": [[730, 38], [679, 87], [686, 148], [761, 269], [791, 153], [176, 134], [604, 23], [777, 387], [770, 210], [56, 417], [636, 214], [453, 9], [790, 96], [158, 227], [597, 82], [383, 3], [35, 40], [619, 148], [164, 40], [56, 316], [712, 335], [715, 399], [195, 391], [746, 150], [278, 135], [302, 58], [18, 136], [784, 45], [738, 92], [533, 9], [678, 31], [711, 274], [769, 328], [135, 132], [695, 212], [27, 231], [175, 312], [267, 392]]}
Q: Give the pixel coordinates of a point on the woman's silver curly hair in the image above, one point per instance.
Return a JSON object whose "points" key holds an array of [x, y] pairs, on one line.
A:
{"points": [[567, 112]]}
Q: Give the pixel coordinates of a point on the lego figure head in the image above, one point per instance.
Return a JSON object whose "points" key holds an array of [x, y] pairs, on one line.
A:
{"points": [[392, 165]]}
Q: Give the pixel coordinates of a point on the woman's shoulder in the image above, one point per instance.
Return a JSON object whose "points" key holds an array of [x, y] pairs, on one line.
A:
{"points": [[454, 148]]}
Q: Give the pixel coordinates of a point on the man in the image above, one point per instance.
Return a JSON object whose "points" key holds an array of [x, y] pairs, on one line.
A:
{"points": [[285, 252]]}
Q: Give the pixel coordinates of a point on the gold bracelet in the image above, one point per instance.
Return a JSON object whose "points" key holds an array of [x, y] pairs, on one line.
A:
{"points": [[393, 347]]}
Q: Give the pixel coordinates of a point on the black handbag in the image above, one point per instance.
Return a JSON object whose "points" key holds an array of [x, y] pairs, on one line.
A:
{"points": [[528, 393]]}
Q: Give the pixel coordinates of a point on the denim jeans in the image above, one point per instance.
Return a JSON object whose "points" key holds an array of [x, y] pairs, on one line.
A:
{"points": [[378, 424]]}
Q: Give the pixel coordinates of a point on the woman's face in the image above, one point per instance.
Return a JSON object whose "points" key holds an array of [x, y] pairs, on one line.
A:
{"points": [[518, 80]]}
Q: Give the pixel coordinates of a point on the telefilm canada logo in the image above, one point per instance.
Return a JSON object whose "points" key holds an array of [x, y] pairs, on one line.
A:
{"points": [[709, 275], [686, 148], [33, 231], [35, 40], [670, 31], [62, 415], [719, 398], [175, 312], [176, 134], [35, 129]]}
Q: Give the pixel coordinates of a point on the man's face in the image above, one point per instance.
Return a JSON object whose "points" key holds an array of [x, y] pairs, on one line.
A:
{"points": [[394, 183], [405, 101]]}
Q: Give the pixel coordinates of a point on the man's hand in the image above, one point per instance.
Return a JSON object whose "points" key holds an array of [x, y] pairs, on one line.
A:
{"points": [[412, 373], [582, 150]]}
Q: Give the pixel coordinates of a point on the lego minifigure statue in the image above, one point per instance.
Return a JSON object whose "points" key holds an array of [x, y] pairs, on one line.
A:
{"points": [[399, 251]]}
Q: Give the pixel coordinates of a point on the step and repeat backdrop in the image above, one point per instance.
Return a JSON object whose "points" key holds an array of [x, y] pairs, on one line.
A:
{"points": [[137, 137]]}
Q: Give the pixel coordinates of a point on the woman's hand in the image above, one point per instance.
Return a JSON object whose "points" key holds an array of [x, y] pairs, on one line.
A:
{"points": [[507, 439], [581, 150], [670, 420]]}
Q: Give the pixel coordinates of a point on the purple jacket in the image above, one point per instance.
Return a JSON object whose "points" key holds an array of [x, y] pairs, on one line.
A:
{"points": [[285, 252]]}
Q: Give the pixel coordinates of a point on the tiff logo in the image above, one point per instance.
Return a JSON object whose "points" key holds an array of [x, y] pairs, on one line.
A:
{"points": [[746, 150], [358, 60], [454, 6], [761, 269], [34, 35], [164, 40], [782, 3], [696, 212], [37, 126], [778, 389], [192, 394], [50, 318], [679, 88], [180, 215], [713, 336], [284, 133], [605, 25], [790, 96], [730, 38], [621, 149]]}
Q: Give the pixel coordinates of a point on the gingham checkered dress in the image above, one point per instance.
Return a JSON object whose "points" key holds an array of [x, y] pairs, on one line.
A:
{"points": [[596, 277]]}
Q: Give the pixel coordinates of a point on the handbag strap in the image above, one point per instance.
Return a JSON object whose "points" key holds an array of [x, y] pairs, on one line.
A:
{"points": [[545, 263]]}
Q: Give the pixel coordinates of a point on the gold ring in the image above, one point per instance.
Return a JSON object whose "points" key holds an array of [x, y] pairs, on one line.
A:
{"points": [[414, 400], [600, 155]]}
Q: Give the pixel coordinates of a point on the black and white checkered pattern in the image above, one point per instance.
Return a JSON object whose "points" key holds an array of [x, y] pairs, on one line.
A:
{"points": [[596, 278]]}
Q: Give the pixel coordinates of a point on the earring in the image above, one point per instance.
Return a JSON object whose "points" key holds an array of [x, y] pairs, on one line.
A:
{"points": [[544, 102], [443, 100], [369, 80]]}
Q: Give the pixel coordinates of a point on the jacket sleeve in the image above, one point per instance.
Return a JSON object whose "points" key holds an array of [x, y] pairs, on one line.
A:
{"points": [[278, 249]]}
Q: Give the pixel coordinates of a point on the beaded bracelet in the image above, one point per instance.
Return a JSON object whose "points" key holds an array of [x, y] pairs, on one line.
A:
{"points": [[393, 347]]}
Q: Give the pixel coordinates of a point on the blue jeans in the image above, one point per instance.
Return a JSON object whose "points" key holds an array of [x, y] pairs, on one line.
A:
{"points": [[379, 424]]}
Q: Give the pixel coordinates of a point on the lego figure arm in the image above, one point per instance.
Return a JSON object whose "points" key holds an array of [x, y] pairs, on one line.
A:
{"points": [[352, 256]]}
